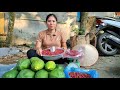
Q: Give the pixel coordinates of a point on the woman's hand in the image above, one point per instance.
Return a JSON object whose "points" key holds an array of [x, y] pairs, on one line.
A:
{"points": [[64, 48], [39, 51], [38, 48]]}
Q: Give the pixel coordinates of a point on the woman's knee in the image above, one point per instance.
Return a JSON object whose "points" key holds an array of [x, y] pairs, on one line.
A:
{"points": [[31, 53]]}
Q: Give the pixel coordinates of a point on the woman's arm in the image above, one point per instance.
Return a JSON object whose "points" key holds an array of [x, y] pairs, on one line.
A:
{"points": [[64, 45], [38, 47], [63, 41]]}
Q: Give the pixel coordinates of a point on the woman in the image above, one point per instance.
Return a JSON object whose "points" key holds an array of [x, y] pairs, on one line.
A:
{"points": [[48, 38]]}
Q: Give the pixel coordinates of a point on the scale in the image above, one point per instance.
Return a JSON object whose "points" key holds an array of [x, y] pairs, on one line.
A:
{"points": [[74, 60]]}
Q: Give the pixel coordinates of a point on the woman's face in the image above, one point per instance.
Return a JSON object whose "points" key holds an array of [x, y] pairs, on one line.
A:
{"points": [[51, 22]]}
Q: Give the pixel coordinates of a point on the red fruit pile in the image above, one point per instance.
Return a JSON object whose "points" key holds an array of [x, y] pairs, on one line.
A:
{"points": [[72, 52], [79, 75], [49, 53]]}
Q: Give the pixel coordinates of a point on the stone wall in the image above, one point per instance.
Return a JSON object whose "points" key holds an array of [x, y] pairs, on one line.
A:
{"points": [[29, 24]]}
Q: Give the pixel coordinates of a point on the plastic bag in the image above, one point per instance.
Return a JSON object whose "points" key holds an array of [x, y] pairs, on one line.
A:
{"points": [[75, 54], [91, 72]]}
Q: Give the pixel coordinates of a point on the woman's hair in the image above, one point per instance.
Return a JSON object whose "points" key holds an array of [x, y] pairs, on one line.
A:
{"points": [[51, 15]]}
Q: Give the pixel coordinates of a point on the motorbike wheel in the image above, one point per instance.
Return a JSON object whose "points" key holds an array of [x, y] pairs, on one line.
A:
{"points": [[104, 47]]}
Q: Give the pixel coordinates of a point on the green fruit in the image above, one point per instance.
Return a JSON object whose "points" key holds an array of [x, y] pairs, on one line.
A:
{"points": [[10, 74], [41, 74], [26, 73], [60, 66], [34, 59], [37, 65], [15, 68], [23, 64], [57, 73], [50, 65]]}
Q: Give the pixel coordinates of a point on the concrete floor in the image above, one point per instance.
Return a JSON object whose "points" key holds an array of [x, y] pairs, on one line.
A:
{"points": [[108, 67], [8, 51]]}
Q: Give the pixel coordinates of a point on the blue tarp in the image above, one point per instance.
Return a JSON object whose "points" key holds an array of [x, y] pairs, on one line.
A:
{"points": [[4, 68]]}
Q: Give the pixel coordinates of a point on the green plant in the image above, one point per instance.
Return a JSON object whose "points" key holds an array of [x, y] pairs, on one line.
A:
{"points": [[77, 30], [1, 42], [81, 32]]}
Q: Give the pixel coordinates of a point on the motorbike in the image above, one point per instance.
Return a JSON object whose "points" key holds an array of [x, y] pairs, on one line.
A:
{"points": [[108, 35]]}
